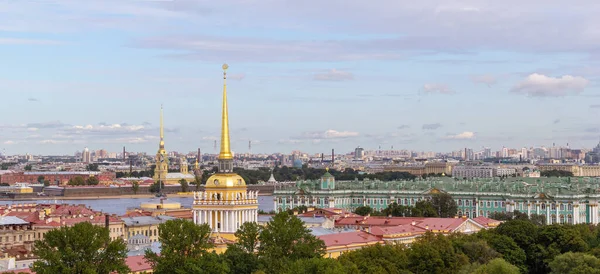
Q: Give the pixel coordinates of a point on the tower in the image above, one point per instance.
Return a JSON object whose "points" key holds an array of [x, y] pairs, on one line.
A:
{"points": [[226, 203], [183, 165], [162, 160]]}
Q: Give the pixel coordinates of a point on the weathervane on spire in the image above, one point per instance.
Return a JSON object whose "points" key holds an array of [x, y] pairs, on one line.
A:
{"points": [[225, 67]]}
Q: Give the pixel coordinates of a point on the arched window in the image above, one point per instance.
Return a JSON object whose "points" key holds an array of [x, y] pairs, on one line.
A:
{"points": [[569, 219], [459, 202]]}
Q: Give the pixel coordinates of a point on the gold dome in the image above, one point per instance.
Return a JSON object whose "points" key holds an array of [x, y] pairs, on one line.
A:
{"points": [[222, 180]]}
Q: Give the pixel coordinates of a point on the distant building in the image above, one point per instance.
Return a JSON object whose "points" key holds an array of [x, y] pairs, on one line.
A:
{"points": [[359, 153], [86, 156]]}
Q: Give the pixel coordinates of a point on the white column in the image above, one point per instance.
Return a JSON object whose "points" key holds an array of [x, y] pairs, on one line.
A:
{"points": [[226, 222], [575, 213], [205, 216], [548, 217], [243, 216], [195, 214], [210, 223]]}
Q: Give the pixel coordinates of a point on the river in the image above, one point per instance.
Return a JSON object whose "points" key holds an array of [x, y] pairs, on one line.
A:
{"points": [[120, 206]]}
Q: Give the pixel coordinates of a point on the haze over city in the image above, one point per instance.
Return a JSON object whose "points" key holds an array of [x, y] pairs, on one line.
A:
{"points": [[427, 76]]}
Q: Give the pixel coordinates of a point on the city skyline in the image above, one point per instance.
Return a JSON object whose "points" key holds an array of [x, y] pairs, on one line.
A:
{"points": [[423, 77]]}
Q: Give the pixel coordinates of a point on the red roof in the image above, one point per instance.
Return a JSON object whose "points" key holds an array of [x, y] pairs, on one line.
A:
{"points": [[485, 221], [138, 263], [348, 238], [72, 210], [376, 221], [26, 216], [395, 230]]}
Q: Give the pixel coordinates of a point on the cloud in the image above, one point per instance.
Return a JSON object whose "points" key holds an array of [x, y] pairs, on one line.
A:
{"points": [[9, 142], [556, 121], [210, 138], [488, 80], [104, 129], [538, 85], [403, 126], [437, 88], [431, 126], [595, 106], [334, 75], [461, 136], [31, 99], [51, 124], [329, 134]]}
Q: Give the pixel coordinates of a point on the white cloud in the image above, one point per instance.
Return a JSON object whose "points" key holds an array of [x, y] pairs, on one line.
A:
{"points": [[334, 75], [108, 129], [9, 142], [32, 129], [461, 136], [539, 85], [486, 79], [329, 134], [210, 138], [437, 88]]}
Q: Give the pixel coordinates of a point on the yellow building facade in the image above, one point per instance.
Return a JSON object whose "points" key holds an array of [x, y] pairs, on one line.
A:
{"points": [[226, 203]]}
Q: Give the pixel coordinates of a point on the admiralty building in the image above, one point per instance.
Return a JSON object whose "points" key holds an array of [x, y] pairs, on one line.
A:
{"points": [[560, 200]]}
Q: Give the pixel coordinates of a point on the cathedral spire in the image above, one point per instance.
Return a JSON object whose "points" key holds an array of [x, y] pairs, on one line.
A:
{"points": [[162, 134], [225, 153]]}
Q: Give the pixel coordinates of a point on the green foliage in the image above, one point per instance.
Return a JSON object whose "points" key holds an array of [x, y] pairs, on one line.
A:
{"points": [[247, 236], [5, 166], [155, 188], [363, 210], [135, 186], [92, 167], [575, 263], [316, 265], [77, 181], [435, 254], [556, 173], [240, 261], [444, 205], [28, 167], [184, 248], [424, 208], [82, 248], [40, 179], [497, 266], [376, 259], [285, 239], [506, 246], [184, 185], [92, 181]]}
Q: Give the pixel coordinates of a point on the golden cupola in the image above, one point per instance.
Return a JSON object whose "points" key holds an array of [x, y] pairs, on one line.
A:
{"points": [[225, 177]]}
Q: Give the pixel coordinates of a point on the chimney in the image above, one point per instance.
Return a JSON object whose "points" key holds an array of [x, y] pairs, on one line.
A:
{"points": [[332, 156], [199, 157], [106, 221]]}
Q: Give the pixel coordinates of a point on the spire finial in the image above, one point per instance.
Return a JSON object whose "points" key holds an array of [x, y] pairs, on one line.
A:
{"points": [[225, 150], [162, 134]]}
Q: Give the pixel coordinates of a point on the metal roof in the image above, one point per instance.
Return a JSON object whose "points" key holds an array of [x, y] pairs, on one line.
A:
{"points": [[12, 220]]}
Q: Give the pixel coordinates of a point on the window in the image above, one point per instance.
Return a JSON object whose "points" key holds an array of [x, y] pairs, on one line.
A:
{"points": [[562, 207], [459, 202], [488, 204], [543, 206], [467, 203], [553, 206], [481, 204]]}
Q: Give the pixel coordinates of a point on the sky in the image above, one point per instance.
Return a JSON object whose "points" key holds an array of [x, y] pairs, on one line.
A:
{"points": [[303, 75]]}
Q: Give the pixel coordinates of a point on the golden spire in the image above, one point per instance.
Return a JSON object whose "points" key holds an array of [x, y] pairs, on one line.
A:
{"points": [[162, 134], [225, 153]]}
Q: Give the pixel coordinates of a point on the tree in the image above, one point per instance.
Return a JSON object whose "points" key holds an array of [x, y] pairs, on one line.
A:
{"points": [[135, 186], [76, 181], [240, 261], [571, 263], [444, 205], [184, 185], [82, 248], [28, 167], [285, 239], [155, 188], [316, 265], [40, 179], [184, 248], [424, 209], [92, 167], [92, 181], [497, 266], [433, 253], [363, 210], [247, 236]]}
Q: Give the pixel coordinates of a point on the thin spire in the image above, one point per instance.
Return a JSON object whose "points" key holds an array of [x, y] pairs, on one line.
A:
{"points": [[162, 134], [225, 150]]}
